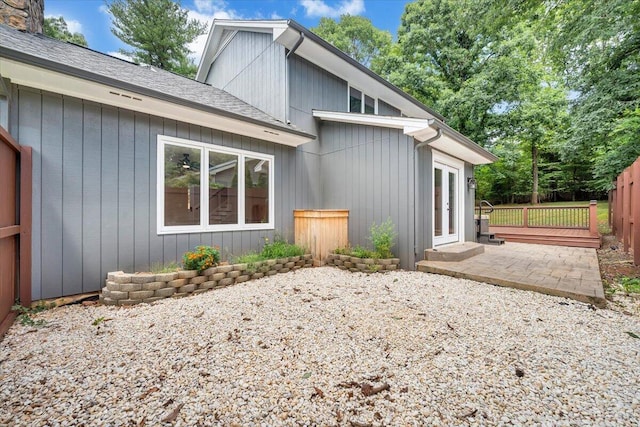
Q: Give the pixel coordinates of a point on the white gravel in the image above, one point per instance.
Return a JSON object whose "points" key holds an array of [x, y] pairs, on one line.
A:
{"points": [[295, 349]]}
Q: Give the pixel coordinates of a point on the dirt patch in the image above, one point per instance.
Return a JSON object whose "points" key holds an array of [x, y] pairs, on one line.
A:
{"points": [[616, 268]]}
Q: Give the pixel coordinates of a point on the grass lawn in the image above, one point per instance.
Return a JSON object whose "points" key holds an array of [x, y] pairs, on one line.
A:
{"points": [[553, 216]]}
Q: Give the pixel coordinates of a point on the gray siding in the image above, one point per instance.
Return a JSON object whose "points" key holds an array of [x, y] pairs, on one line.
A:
{"points": [[94, 190], [385, 109], [369, 171], [252, 67], [312, 88]]}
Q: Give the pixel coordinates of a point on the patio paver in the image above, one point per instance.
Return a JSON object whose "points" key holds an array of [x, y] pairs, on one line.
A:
{"points": [[554, 270]]}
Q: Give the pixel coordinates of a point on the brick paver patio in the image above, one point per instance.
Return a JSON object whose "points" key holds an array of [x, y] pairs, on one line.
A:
{"points": [[553, 270]]}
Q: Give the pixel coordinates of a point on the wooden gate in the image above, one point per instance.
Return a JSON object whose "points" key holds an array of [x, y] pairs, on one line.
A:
{"points": [[15, 227]]}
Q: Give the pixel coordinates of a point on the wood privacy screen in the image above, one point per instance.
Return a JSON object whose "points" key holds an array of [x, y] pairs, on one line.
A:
{"points": [[625, 209], [15, 227], [321, 231]]}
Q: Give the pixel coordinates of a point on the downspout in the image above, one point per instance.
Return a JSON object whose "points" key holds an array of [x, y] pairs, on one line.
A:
{"points": [[415, 187], [286, 77]]}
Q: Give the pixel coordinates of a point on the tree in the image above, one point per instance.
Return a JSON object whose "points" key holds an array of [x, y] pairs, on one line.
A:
{"points": [[158, 31], [596, 45], [356, 36], [57, 28]]}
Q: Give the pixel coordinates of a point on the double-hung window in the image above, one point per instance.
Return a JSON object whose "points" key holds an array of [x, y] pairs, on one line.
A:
{"points": [[204, 187]]}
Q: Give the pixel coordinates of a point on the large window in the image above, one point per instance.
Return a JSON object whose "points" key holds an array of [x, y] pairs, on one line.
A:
{"points": [[360, 102], [233, 191]]}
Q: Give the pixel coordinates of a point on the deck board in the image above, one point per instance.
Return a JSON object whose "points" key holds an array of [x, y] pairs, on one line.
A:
{"points": [[547, 236]]}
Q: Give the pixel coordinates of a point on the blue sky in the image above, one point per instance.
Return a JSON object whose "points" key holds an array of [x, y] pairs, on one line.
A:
{"points": [[91, 19]]}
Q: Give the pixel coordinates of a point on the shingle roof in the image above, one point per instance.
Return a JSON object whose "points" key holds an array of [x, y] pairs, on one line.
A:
{"points": [[91, 65]]}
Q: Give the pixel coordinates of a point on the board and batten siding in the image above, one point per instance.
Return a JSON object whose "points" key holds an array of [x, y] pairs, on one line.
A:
{"points": [[94, 190], [252, 67], [385, 109], [313, 88], [369, 170]]}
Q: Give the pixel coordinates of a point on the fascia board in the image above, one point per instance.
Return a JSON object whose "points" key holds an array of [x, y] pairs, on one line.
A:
{"points": [[53, 81]]}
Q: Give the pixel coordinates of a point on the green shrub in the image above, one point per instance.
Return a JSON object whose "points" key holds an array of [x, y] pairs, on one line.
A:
{"points": [[280, 249], [382, 237], [248, 258], [201, 258], [361, 252]]}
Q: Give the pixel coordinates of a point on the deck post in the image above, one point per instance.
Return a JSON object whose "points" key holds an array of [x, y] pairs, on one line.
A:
{"points": [[525, 217], [593, 218]]}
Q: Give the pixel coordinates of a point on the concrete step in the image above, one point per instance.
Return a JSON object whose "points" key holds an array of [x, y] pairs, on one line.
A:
{"points": [[454, 253], [490, 239]]}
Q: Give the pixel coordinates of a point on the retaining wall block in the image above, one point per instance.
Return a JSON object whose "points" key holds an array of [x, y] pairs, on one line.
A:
{"points": [[187, 288], [179, 295], [164, 292], [218, 276], [270, 262], [242, 278], [209, 271], [130, 287], [143, 278], [141, 294], [226, 282], [187, 274], [152, 299], [198, 279], [178, 283], [118, 295], [277, 267], [294, 259], [199, 291], [271, 273], [122, 278], [105, 292], [166, 277], [240, 267], [289, 264], [225, 268], [112, 274], [109, 301], [153, 286], [113, 286], [208, 285], [233, 274], [258, 275], [391, 267]]}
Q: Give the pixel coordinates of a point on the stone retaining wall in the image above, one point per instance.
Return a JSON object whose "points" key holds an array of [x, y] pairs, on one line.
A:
{"points": [[364, 265], [129, 289]]}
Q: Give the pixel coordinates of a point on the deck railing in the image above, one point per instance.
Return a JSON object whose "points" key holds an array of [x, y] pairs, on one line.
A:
{"points": [[575, 217]]}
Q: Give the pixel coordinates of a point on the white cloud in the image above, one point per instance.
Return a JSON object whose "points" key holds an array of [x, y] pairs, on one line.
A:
{"points": [[206, 11], [274, 15], [73, 25], [318, 8], [103, 9]]}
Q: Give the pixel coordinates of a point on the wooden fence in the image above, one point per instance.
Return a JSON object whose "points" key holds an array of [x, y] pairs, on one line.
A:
{"points": [[15, 227], [624, 205]]}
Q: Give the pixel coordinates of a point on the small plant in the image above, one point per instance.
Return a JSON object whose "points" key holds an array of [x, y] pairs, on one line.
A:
{"points": [[631, 285], [201, 258], [159, 267], [280, 248], [249, 258], [97, 321], [382, 237], [25, 314], [361, 252]]}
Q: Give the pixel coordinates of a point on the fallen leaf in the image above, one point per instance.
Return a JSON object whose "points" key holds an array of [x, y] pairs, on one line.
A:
{"points": [[148, 392], [173, 414], [306, 375], [369, 390], [468, 414], [142, 422], [317, 392], [632, 335], [199, 314]]}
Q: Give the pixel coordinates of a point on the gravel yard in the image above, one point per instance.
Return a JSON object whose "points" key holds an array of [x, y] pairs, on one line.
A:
{"points": [[319, 347]]}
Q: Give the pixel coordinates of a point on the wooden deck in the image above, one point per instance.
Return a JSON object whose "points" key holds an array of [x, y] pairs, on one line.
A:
{"points": [[547, 236]]}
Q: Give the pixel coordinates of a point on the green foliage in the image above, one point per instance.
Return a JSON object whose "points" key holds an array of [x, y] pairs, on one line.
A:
{"points": [[382, 237], [280, 248], [630, 285], [97, 321], [356, 36], [361, 252], [201, 258], [25, 314], [56, 27], [158, 32]]}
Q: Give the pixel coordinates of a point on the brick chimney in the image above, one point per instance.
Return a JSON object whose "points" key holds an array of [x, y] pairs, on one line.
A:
{"points": [[25, 15]]}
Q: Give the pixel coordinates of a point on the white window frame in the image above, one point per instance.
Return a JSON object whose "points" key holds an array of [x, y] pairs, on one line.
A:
{"points": [[204, 225], [364, 94]]}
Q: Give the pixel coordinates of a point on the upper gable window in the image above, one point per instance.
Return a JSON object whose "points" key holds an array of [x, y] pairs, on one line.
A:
{"points": [[360, 102], [233, 191]]}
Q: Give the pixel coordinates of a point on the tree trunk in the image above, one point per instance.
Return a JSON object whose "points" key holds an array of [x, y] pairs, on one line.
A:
{"points": [[534, 170]]}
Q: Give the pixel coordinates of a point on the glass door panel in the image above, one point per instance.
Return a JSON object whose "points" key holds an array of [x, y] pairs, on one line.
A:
{"points": [[445, 204]]}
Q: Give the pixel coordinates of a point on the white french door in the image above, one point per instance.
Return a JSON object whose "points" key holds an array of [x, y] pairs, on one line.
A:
{"points": [[446, 203]]}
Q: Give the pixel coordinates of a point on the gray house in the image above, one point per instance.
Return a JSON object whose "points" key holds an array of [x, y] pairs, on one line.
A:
{"points": [[134, 166]]}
